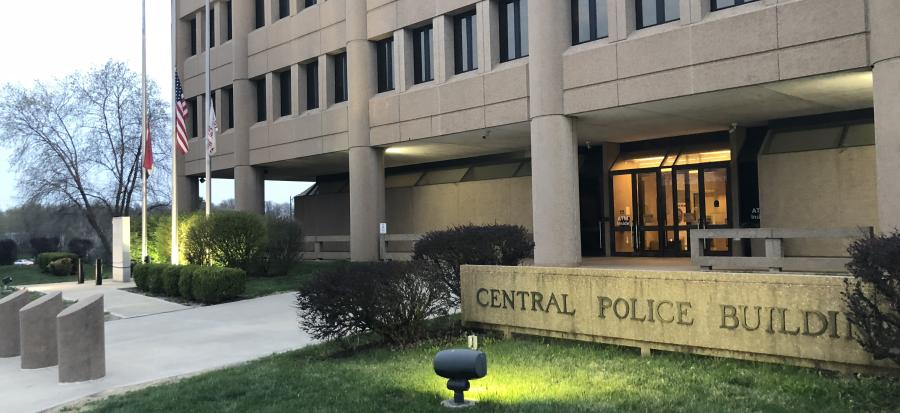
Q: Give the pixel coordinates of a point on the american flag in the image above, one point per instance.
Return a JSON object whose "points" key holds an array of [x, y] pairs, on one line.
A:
{"points": [[181, 113]]}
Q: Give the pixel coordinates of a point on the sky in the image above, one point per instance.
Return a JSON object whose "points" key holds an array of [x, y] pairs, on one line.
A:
{"points": [[58, 37]]}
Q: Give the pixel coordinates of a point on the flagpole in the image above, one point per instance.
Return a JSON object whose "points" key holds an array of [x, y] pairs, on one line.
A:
{"points": [[143, 130], [174, 231], [208, 108]]}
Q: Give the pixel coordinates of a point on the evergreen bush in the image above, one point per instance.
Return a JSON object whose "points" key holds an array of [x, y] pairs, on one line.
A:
{"points": [[211, 285], [44, 244], [61, 267], [9, 251], [285, 242], [44, 259], [226, 239]]}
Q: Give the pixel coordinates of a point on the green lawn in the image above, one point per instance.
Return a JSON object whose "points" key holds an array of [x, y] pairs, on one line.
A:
{"points": [[524, 375], [30, 274], [262, 286]]}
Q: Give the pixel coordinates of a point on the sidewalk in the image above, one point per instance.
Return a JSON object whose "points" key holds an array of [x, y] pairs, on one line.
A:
{"points": [[158, 346], [121, 304]]}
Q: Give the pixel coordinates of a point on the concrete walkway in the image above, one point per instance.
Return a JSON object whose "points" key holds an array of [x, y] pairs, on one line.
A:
{"points": [[122, 304], [158, 346]]}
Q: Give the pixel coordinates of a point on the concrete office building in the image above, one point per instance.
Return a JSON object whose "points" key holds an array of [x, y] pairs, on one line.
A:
{"points": [[606, 127]]}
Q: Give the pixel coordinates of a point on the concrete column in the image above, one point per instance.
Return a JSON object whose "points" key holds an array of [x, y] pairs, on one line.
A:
{"points": [[554, 152], [188, 191], [82, 341], [885, 52], [249, 184], [121, 239], [37, 331], [366, 163], [736, 140], [9, 322]]}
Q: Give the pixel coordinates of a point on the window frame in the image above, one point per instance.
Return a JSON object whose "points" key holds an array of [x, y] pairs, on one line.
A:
{"points": [[341, 88], [384, 56], [312, 84], [284, 99], [423, 74], [660, 11], [520, 39], [713, 4], [593, 27], [465, 23]]}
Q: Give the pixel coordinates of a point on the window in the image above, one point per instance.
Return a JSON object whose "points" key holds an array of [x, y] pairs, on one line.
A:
{"points": [[309, 3], [284, 8], [340, 78], [384, 51], [260, 99], [465, 45], [654, 12], [228, 18], [513, 29], [312, 85], [589, 20], [228, 96], [260, 11], [724, 4], [212, 28], [193, 31], [422, 71], [192, 117], [284, 89]]}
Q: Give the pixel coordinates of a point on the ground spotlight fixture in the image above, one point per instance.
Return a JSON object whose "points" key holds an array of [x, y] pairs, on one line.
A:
{"points": [[459, 366]]}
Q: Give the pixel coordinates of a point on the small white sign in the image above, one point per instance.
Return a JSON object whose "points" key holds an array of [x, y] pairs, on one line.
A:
{"points": [[382, 228]]}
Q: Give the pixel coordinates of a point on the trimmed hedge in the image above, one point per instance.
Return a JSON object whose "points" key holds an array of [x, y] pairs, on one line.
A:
{"points": [[45, 258], [224, 239], [9, 250], [61, 267], [208, 285]]}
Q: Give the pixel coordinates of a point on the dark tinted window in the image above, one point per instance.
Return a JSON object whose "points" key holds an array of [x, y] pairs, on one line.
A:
{"points": [[284, 8], [260, 99], [228, 23], [192, 117], [193, 30], [228, 95], [513, 29], [589, 20], [212, 28], [724, 4], [307, 3], [260, 11], [422, 71], [384, 51], [340, 78], [284, 89], [465, 43], [654, 12], [312, 85]]}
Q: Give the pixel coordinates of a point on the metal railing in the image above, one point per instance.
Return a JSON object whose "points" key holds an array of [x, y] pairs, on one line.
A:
{"points": [[384, 242], [774, 260]]}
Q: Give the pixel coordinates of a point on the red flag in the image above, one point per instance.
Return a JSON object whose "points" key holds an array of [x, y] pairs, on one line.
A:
{"points": [[148, 150]]}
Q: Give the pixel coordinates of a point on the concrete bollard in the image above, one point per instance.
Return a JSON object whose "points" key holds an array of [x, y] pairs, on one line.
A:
{"points": [[82, 341], [98, 272], [80, 272], [37, 331], [9, 322]]}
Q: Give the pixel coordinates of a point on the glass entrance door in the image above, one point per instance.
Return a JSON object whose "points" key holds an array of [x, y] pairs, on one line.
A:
{"points": [[637, 217], [699, 199]]}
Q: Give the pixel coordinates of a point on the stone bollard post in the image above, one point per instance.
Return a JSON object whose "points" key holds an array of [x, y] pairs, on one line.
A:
{"points": [[80, 272], [82, 341], [9, 322], [37, 331], [98, 272]]}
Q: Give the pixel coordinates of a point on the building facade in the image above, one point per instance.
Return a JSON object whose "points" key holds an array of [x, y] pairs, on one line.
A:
{"points": [[606, 127]]}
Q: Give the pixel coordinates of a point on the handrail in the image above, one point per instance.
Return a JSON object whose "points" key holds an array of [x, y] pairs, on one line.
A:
{"points": [[383, 240]]}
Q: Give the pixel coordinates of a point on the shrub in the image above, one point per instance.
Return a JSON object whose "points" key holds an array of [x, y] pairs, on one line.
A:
{"points": [[470, 244], [141, 276], [8, 252], [284, 244], [186, 280], [44, 244], [391, 299], [211, 285], [155, 280], [225, 239], [80, 246], [45, 258], [61, 267], [169, 276], [873, 297]]}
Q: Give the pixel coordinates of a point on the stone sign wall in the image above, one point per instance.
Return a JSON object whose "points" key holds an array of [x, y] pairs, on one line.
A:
{"points": [[792, 319]]}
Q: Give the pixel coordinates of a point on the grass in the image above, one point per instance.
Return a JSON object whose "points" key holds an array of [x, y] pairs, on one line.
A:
{"points": [[299, 273], [30, 274], [524, 375]]}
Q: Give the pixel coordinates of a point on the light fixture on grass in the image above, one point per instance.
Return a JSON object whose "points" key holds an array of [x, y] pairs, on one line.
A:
{"points": [[459, 366]]}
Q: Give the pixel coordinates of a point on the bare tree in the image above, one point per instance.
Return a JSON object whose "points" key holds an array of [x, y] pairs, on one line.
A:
{"points": [[77, 141]]}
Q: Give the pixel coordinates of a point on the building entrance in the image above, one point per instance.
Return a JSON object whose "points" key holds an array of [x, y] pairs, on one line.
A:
{"points": [[657, 199]]}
